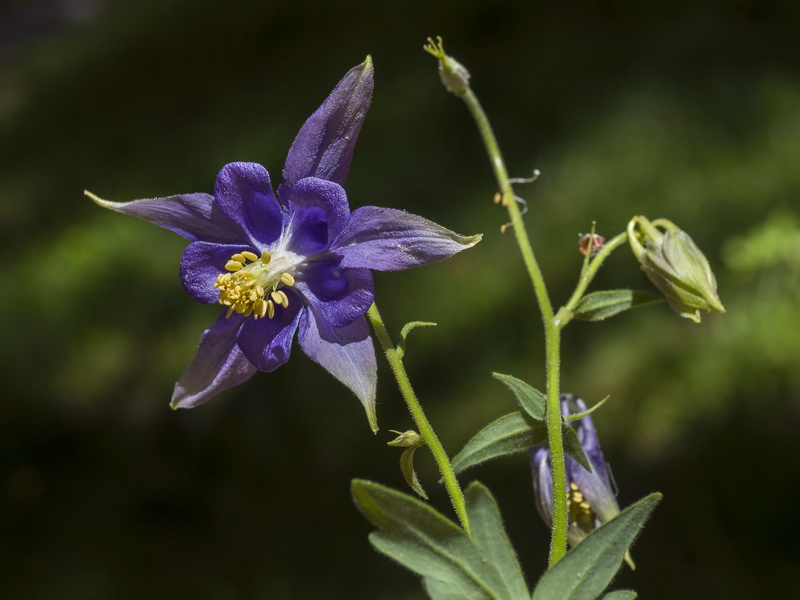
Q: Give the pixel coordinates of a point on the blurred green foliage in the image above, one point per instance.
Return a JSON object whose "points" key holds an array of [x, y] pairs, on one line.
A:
{"points": [[687, 111]]}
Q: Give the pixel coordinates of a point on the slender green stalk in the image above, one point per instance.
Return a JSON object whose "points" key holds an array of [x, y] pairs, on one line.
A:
{"points": [[552, 332], [587, 275], [423, 425]]}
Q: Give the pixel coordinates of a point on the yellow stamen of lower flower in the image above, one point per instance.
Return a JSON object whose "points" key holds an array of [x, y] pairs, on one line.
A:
{"points": [[580, 511], [252, 288]]}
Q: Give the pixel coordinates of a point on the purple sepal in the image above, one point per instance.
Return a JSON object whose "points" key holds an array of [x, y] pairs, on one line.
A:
{"points": [[595, 485], [386, 239], [324, 146], [542, 483], [346, 353], [193, 216], [587, 436], [217, 365]]}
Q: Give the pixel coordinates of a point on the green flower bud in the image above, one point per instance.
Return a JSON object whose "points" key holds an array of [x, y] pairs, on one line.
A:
{"points": [[676, 266], [407, 439], [453, 74]]}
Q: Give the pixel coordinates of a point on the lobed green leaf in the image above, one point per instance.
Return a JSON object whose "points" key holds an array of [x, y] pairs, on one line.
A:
{"points": [[531, 400], [607, 303], [587, 569], [509, 434], [572, 446], [492, 541], [620, 595], [422, 540]]}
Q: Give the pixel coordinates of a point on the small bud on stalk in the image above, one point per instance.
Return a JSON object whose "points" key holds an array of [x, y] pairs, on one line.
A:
{"points": [[591, 241], [676, 266], [406, 439], [453, 74]]}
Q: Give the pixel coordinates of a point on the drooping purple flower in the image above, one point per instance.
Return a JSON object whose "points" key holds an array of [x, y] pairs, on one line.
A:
{"points": [[296, 263], [590, 499]]}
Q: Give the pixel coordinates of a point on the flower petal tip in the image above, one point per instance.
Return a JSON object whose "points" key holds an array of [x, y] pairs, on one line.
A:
{"points": [[96, 199], [177, 402], [373, 421], [470, 241]]}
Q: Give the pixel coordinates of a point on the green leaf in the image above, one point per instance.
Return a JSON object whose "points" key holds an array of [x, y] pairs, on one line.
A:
{"points": [[422, 540], [492, 541], [509, 434], [407, 467], [620, 595], [601, 305], [444, 590], [531, 400], [572, 446], [580, 415], [587, 569], [401, 345]]}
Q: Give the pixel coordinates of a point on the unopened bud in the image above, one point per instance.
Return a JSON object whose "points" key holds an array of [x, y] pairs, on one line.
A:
{"points": [[591, 241], [676, 266], [453, 74], [406, 439]]}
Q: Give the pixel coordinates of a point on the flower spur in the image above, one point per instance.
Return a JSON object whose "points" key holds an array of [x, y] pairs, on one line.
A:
{"points": [[301, 265]]}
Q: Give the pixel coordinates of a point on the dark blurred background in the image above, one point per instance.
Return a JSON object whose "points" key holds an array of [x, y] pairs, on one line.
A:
{"points": [[683, 110]]}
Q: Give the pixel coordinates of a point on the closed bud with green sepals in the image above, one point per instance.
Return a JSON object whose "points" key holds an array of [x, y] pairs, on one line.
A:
{"points": [[675, 265]]}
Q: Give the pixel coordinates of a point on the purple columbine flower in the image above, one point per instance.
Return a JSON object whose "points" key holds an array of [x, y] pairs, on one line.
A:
{"points": [[590, 499], [299, 262]]}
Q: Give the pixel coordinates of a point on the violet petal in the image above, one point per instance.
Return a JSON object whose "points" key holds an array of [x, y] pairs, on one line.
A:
{"points": [[542, 483], [387, 239], [346, 353], [217, 365], [590, 442], [243, 191], [201, 263], [267, 343], [324, 146], [340, 295], [193, 216], [327, 204]]}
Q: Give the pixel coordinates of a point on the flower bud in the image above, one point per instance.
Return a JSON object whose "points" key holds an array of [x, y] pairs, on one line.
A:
{"points": [[453, 74], [590, 497], [676, 266], [406, 439]]}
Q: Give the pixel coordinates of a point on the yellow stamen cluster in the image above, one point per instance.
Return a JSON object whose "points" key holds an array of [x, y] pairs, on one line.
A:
{"points": [[580, 511], [243, 289]]}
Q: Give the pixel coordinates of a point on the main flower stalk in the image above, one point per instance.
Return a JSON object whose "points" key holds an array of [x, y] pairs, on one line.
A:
{"points": [[456, 79]]}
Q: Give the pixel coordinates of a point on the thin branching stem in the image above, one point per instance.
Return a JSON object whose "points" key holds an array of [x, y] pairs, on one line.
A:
{"points": [[552, 332], [423, 425]]}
